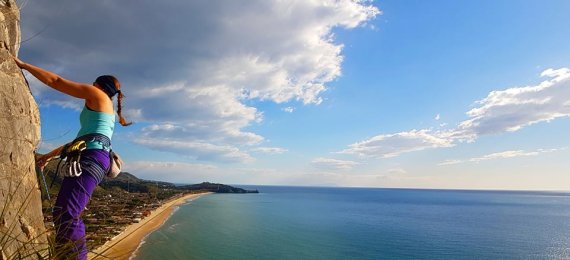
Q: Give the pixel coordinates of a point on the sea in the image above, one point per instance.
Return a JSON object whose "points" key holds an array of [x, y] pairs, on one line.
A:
{"points": [[366, 223]]}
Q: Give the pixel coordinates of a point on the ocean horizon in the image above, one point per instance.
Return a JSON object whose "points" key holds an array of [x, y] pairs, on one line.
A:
{"points": [[292, 222]]}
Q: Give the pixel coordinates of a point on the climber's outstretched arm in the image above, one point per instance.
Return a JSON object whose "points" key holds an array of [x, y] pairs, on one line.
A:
{"points": [[78, 90], [42, 159]]}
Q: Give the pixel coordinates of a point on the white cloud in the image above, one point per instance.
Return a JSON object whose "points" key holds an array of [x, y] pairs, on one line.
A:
{"points": [[391, 145], [333, 164], [269, 150], [288, 109], [181, 172], [197, 150], [172, 171], [189, 67], [514, 108], [397, 171], [502, 155], [501, 111], [437, 117], [450, 162], [264, 171]]}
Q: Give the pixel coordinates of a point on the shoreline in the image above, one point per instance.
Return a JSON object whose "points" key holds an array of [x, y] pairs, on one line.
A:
{"points": [[127, 242]]}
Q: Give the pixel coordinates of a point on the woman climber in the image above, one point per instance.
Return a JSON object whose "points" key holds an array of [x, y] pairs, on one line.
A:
{"points": [[91, 153]]}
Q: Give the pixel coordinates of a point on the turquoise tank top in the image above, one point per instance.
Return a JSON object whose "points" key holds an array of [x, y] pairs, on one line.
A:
{"points": [[93, 122]]}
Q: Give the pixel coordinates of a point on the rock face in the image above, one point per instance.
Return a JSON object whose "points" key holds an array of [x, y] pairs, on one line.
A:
{"points": [[22, 231]]}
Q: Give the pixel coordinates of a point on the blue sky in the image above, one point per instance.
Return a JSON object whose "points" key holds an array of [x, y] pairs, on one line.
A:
{"points": [[333, 93]]}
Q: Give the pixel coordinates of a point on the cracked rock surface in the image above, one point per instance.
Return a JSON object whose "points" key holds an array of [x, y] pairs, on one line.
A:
{"points": [[22, 230]]}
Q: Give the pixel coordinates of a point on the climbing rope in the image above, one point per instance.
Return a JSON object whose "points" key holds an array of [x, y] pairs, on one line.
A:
{"points": [[47, 189], [45, 183]]}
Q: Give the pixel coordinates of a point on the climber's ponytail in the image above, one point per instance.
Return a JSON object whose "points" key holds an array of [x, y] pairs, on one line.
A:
{"points": [[122, 120], [114, 87]]}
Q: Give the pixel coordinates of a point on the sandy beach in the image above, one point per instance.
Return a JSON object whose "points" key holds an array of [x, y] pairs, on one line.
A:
{"points": [[123, 245]]}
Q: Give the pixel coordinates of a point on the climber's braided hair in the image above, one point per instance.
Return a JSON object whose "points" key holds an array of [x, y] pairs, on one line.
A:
{"points": [[112, 86]]}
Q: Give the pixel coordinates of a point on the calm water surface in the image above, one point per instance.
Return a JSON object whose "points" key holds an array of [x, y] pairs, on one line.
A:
{"points": [[352, 223]]}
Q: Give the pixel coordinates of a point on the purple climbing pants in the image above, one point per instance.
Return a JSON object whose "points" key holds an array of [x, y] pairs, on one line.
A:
{"points": [[73, 196]]}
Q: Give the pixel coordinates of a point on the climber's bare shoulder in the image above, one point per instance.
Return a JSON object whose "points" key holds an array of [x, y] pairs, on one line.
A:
{"points": [[101, 105]]}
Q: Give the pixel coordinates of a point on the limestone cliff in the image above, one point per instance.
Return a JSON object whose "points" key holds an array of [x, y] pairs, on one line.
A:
{"points": [[22, 231]]}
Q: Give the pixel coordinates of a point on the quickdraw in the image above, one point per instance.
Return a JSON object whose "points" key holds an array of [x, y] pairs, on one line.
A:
{"points": [[72, 155]]}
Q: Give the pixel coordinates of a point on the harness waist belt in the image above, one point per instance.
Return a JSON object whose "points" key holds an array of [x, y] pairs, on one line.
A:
{"points": [[96, 141]]}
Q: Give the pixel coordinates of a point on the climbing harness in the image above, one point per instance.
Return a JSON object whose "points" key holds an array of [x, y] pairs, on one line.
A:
{"points": [[70, 157]]}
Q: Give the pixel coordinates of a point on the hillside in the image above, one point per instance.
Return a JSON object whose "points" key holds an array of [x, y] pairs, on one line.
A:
{"points": [[216, 187]]}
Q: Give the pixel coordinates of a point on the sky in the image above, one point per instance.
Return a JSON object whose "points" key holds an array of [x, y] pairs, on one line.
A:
{"points": [[395, 94]]}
